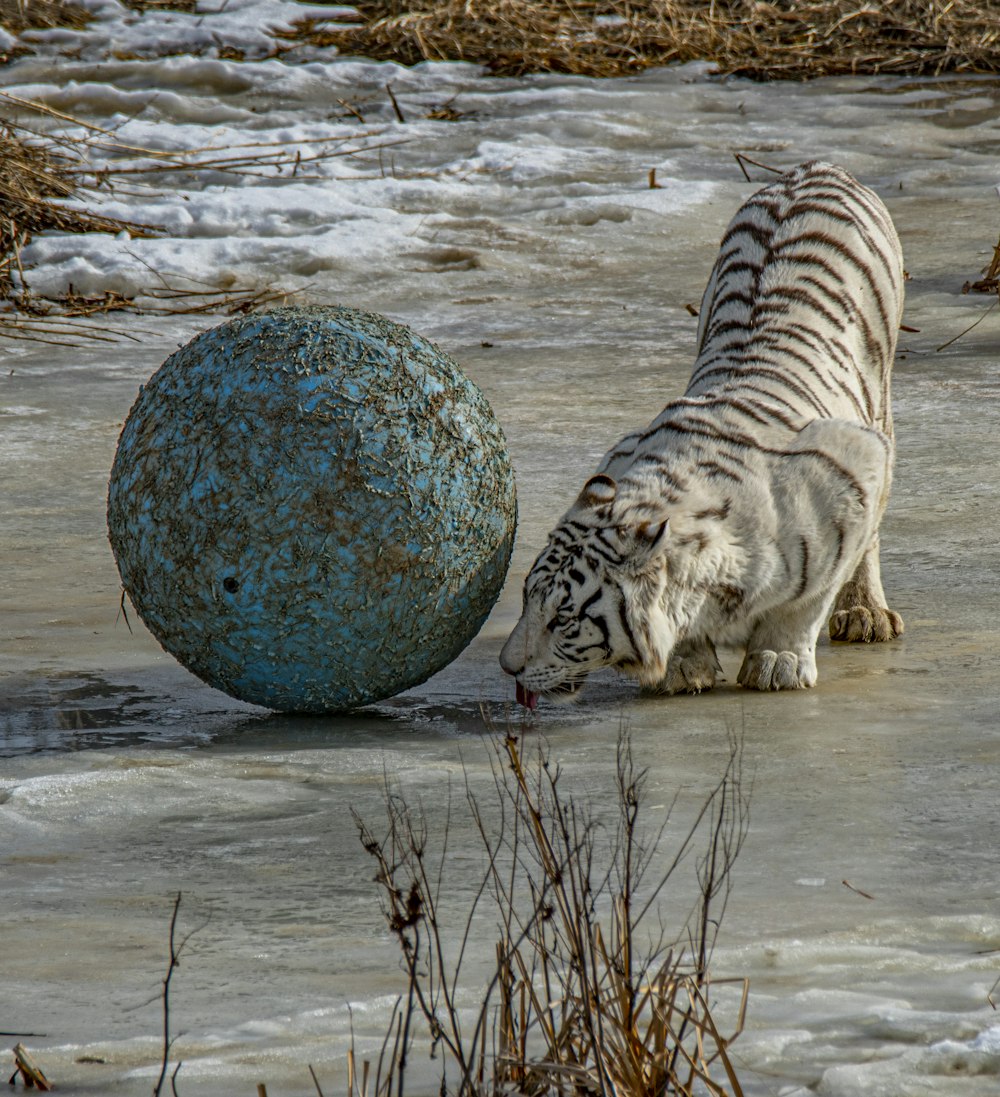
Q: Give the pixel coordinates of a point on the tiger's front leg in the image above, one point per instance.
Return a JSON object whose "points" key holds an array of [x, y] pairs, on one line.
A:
{"points": [[860, 614], [692, 668], [766, 669], [781, 653]]}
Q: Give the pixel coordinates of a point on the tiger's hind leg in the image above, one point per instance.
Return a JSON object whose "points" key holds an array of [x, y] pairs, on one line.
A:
{"points": [[860, 614]]}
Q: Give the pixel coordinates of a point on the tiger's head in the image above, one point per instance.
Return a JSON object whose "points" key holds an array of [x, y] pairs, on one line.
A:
{"points": [[593, 598]]}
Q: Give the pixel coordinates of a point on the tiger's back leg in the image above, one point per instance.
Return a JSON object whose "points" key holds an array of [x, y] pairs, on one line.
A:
{"points": [[860, 614]]}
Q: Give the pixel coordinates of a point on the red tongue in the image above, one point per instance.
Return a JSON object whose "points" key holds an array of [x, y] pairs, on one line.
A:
{"points": [[527, 698]]}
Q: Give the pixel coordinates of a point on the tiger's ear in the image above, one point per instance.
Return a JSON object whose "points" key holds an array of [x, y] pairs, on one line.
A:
{"points": [[597, 491], [651, 536], [644, 542]]}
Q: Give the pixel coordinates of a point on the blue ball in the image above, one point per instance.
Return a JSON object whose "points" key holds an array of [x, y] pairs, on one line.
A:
{"points": [[312, 508]]}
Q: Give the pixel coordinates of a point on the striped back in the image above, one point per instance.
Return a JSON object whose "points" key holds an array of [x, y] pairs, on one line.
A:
{"points": [[802, 309]]}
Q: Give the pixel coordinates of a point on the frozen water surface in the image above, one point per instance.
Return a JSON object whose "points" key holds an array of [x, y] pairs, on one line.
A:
{"points": [[524, 238]]}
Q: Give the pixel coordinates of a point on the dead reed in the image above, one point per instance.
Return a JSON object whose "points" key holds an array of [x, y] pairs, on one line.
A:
{"points": [[786, 39], [585, 998], [30, 1072], [20, 15], [990, 280], [41, 168], [35, 174], [189, 6]]}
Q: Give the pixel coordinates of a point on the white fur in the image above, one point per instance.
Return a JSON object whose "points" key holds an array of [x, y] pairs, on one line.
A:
{"points": [[749, 510]]}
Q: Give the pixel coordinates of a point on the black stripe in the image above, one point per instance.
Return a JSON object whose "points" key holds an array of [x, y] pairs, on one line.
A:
{"points": [[745, 386], [735, 262], [796, 385], [804, 580], [759, 413], [853, 309], [839, 529], [626, 626], [760, 236], [595, 597], [714, 469], [824, 239], [603, 551], [713, 432], [719, 513], [832, 462], [723, 325], [834, 383]]}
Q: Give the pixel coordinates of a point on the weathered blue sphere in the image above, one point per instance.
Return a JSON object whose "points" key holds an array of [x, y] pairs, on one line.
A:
{"points": [[312, 508]]}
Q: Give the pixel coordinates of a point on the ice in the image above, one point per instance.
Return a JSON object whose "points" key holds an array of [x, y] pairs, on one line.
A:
{"points": [[524, 238], [970, 1067]]}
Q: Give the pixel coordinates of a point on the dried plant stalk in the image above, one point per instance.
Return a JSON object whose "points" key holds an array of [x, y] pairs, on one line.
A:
{"points": [[29, 1070], [582, 999], [34, 175], [795, 39], [19, 15], [39, 172]]}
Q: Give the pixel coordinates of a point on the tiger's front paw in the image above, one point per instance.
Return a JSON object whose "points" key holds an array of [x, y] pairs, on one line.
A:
{"points": [[689, 674], [770, 670], [865, 625]]}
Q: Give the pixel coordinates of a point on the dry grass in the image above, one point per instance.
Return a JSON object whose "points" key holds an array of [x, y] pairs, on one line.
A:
{"points": [[34, 175], [189, 6], [587, 997], [990, 281], [39, 173], [20, 15], [788, 39]]}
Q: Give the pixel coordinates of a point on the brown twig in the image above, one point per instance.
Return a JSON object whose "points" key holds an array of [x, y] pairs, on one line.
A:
{"points": [[742, 159], [395, 105], [966, 331], [175, 950], [319, 1091], [172, 964], [580, 1007], [857, 891], [31, 1073]]}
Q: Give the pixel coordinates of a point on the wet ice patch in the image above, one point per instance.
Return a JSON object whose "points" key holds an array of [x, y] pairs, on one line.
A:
{"points": [[980, 1055], [972, 1066], [151, 789]]}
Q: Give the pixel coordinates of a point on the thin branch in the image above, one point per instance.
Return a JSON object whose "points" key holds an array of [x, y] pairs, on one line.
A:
{"points": [[172, 964], [974, 324]]}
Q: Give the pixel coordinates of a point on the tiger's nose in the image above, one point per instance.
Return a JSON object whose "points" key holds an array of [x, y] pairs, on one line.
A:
{"points": [[513, 656], [510, 665]]}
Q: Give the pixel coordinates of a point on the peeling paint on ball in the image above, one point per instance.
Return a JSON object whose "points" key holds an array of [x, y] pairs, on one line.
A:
{"points": [[312, 508]]}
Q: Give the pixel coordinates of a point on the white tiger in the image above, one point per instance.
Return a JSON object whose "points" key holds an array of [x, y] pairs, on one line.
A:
{"points": [[748, 509]]}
